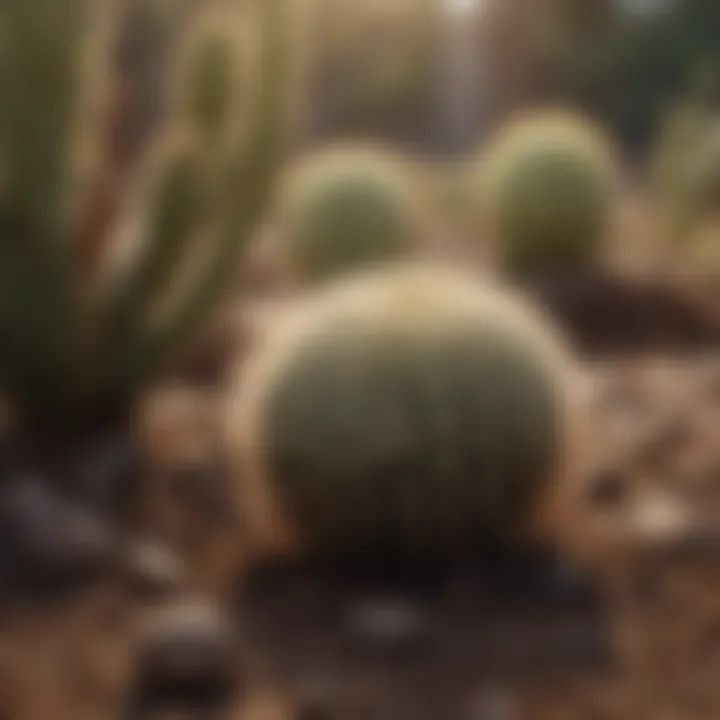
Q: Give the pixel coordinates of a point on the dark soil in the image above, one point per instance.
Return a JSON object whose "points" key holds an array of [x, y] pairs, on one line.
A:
{"points": [[605, 315], [460, 644]]}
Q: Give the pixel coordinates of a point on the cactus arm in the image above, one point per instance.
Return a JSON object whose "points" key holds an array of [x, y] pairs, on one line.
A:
{"points": [[42, 39], [248, 185], [181, 193], [40, 82], [103, 203], [175, 210]]}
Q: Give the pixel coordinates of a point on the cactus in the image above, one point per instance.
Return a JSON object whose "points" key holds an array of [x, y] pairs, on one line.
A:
{"points": [[408, 411], [684, 161], [345, 210], [74, 342], [689, 196], [698, 269], [548, 185]]}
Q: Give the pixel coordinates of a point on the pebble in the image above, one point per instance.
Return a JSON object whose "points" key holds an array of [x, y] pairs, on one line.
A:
{"points": [[107, 474], [316, 701], [191, 643], [493, 704], [49, 536], [154, 571], [386, 624]]}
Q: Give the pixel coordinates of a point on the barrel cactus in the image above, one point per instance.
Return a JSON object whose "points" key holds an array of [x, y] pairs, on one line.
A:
{"points": [[548, 185], [408, 412], [83, 328], [346, 209]]}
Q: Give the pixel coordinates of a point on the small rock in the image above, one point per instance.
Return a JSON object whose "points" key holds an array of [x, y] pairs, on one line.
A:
{"points": [[316, 701], [189, 658], [493, 704], [609, 489], [567, 580], [107, 474], [386, 624], [49, 538], [153, 570]]}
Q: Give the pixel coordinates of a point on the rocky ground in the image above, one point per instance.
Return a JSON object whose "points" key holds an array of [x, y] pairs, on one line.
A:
{"points": [[627, 628]]}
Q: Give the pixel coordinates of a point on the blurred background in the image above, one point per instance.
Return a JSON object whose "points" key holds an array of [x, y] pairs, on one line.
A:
{"points": [[178, 175], [438, 76]]}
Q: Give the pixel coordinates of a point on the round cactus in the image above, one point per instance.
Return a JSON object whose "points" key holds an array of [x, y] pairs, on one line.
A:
{"points": [[346, 210], [409, 412], [548, 184]]}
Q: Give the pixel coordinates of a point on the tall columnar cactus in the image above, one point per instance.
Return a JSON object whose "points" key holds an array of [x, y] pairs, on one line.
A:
{"points": [[72, 340], [405, 411], [548, 185], [346, 209]]}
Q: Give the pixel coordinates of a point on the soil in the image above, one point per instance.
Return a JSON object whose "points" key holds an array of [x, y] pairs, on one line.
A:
{"points": [[525, 636], [607, 315]]}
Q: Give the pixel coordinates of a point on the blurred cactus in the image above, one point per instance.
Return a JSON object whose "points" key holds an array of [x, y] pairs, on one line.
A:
{"points": [[74, 341], [548, 185], [408, 411], [347, 209], [685, 167], [144, 46], [211, 84], [698, 268]]}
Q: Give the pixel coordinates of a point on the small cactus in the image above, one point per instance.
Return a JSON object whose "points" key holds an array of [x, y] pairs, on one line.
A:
{"points": [[408, 412], [345, 210], [548, 186]]}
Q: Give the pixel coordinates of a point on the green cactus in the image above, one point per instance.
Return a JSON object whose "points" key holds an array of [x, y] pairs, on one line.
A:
{"points": [[687, 173], [210, 88], [672, 164], [685, 159], [346, 210], [548, 185], [408, 412], [69, 349]]}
